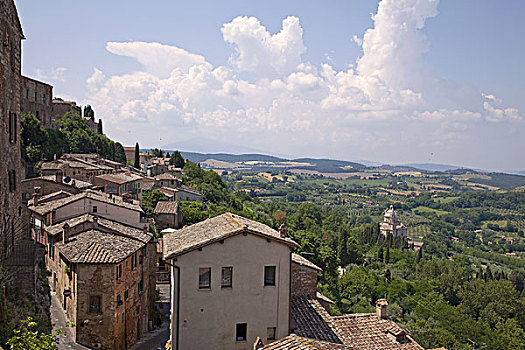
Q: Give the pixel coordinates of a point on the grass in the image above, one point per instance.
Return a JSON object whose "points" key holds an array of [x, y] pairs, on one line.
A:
{"points": [[429, 210]]}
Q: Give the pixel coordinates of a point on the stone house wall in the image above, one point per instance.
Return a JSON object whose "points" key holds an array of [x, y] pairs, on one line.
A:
{"points": [[10, 158], [304, 280], [36, 97]]}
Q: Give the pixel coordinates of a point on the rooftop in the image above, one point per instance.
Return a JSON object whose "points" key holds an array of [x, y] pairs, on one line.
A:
{"points": [[165, 176], [298, 259], [295, 342], [362, 331], [213, 230], [94, 195], [103, 223], [165, 207], [98, 247], [119, 178]]}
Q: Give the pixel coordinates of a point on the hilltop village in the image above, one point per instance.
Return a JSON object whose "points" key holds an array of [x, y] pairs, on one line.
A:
{"points": [[104, 246]]}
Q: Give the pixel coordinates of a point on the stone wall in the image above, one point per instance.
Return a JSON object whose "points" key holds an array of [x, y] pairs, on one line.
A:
{"points": [[36, 97], [10, 158], [304, 279]]}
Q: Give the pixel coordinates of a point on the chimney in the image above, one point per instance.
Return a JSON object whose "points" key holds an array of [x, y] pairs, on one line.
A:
{"points": [[282, 231], [36, 196], [145, 229], [381, 305], [65, 233], [95, 222], [59, 177]]}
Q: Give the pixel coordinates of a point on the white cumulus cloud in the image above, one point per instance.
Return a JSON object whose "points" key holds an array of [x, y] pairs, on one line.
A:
{"points": [[390, 108]]}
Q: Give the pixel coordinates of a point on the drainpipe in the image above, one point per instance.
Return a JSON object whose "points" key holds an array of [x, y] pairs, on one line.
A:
{"points": [[175, 344]]}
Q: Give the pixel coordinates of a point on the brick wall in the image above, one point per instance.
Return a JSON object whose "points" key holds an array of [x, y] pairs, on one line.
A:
{"points": [[304, 279]]}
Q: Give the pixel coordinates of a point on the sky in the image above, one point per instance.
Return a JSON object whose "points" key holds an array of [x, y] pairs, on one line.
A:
{"points": [[390, 81]]}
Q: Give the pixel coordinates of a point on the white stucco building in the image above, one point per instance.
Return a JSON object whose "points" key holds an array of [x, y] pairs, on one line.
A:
{"points": [[230, 283], [391, 224]]}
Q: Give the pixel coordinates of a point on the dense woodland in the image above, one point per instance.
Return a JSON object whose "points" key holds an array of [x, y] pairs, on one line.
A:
{"points": [[448, 294]]}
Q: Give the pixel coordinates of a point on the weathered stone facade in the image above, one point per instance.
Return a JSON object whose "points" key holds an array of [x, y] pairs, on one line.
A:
{"points": [[304, 276], [109, 298], [10, 158], [61, 107], [36, 97]]}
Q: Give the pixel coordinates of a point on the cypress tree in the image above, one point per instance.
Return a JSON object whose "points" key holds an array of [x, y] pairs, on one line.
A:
{"points": [[137, 156], [99, 127], [419, 255], [387, 255], [380, 254]]}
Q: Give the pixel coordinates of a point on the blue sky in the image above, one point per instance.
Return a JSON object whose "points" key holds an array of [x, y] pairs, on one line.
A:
{"points": [[430, 81]]}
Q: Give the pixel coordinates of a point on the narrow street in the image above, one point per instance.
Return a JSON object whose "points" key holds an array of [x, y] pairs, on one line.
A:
{"points": [[58, 321]]}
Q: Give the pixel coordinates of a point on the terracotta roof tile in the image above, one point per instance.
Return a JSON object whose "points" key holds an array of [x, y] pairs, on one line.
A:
{"points": [[295, 342], [97, 247], [165, 207], [300, 260], [213, 230]]}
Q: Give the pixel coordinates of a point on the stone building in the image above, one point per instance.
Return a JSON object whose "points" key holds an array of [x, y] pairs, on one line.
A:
{"points": [[11, 229], [391, 224], [168, 215], [75, 168], [36, 97], [60, 206], [121, 184], [104, 275], [230, 280], [51, 184], [61, 107]]}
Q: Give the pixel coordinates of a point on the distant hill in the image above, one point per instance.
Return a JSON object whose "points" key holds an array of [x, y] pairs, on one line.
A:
{"points": [[232, 158], [433, 166]]}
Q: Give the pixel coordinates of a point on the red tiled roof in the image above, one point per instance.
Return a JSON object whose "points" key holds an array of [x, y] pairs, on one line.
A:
{"points": [[295, 342], [165, 207], [361, 331]]}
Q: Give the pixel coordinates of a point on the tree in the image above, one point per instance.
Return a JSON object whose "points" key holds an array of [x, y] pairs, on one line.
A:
{"points": [[158, 152], [177, 160], [33, 138], [150, 199], [89, 113], [380, 254], [137, 156], [387, 255], [419, 255], [99, 127], [28, 339]]}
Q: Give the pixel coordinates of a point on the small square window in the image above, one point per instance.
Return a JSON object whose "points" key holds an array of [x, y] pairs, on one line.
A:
{"points": [[95, 209], [270, 333], [226, 278], [241, 331], [94, 304], [269, 275], [205, 278]]}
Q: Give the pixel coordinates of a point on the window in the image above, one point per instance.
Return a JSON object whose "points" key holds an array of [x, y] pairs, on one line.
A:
{"points": [[13, 55], [11, 174], [119, 271], [27, 93], [10, 127], [134, 261], [226, 281], [270, 333], [36, 97], [126, 294], [123, 317], [241, 331], [95, 209], [269, 275], [205, 278], [119, 300], [141, 287], [94, 304]]}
